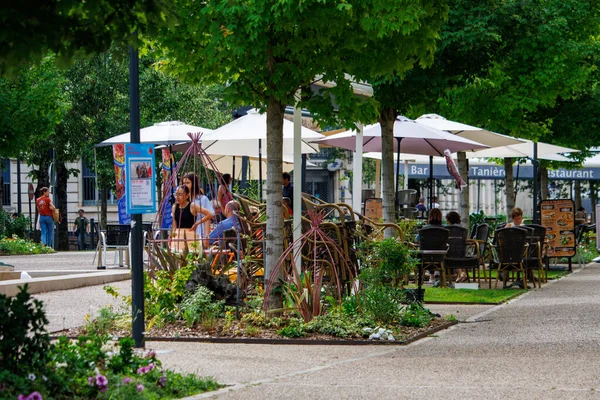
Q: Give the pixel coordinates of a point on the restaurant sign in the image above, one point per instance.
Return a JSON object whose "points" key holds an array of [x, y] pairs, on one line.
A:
{"points": [[558, 216]]}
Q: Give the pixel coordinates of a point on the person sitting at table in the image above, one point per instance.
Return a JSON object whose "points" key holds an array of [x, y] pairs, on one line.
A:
{"points": [[434, 202], [421, 207], [453, 218], [202, 224], [231, 221], [435, 219], [184, 211], [517, 218]]}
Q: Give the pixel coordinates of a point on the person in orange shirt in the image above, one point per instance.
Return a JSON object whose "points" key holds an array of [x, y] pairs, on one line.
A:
{"points": [[45, 209]]}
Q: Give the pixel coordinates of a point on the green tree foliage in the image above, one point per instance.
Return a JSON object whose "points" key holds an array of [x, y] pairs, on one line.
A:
{"points": [[31, 105], [72, 28], [268, 50]]}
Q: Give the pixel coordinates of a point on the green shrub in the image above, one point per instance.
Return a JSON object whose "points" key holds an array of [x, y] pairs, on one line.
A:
{"points": [[385, 263], [295, 328], [338, 325], [415, 315], [15, 245], [24, 342], [200, 307], [91, 367], [10, 227], [382, 304]]}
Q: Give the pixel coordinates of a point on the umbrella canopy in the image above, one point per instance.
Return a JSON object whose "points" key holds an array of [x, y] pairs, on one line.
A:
{"points": [[224, 165], [480, 135], [166, 133], [413, 138], [545, 151], [241, 137]]}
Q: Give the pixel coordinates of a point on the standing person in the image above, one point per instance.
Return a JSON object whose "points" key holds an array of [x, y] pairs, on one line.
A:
{"points": [[192, 181], [45, 209], [288, 189], [224, 196], [81, 227]]}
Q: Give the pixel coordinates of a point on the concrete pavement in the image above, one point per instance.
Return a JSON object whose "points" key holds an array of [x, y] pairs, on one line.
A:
{"points": [[543, 345]]}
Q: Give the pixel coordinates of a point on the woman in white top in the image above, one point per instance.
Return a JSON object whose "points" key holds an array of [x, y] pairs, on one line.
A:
{"points": [[517, 217], [192, 181]]}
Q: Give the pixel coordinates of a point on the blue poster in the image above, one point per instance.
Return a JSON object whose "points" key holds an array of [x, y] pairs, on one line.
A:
{"points": [[140, 178]]}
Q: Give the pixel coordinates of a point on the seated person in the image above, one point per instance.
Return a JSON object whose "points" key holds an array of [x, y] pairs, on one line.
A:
{"points": [[517, 218], [287, 208], [421, 206], [580, 216], [435, 202], [231, 221], [185, 212]]}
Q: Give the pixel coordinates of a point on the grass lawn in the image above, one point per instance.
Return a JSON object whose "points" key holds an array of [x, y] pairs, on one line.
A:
{"points": [[481, 296]]}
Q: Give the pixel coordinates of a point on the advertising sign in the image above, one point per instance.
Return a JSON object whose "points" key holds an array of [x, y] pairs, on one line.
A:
{"points": [[167, 217], [140, 178], [558, 216], [119, 166]]}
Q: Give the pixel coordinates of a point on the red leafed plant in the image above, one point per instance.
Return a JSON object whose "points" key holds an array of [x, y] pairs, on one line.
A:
{"points": [[323, 263]]}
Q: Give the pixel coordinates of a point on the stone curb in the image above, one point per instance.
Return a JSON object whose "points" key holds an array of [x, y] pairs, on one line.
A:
{"points": [[65, 282]]}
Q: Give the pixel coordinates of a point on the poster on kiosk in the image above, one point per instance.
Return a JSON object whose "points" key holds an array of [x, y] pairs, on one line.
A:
{"points": [[141, 178]]}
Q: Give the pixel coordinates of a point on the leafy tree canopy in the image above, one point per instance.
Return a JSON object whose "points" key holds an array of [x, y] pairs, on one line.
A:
{"points": [[72, 28]]}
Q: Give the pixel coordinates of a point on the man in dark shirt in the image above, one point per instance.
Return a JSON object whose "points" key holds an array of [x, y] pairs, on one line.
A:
{"points": [[288, 189], [81, 227]]}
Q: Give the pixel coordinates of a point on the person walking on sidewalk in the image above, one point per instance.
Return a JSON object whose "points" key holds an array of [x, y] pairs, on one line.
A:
{"points": [[81, 227], [45, 209]]}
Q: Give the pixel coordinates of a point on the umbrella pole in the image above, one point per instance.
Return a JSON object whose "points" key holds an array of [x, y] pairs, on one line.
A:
{"points": [[260, 170], [396, 199], [430, 182], [536, 182]]}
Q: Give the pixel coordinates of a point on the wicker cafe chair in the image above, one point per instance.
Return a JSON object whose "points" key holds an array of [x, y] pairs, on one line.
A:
{"points": [[481, 240], [458, 252], [433, 246], [537, 258], [510, 248]]}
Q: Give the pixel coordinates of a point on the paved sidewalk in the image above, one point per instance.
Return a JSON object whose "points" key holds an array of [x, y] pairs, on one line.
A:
{"points": [[543, 345]]}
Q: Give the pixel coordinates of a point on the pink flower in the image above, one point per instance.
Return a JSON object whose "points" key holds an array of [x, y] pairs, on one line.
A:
{"points": [[162, 382], [126, 380], [101, 381], [35, 396], [140, 388], [91, 381], [151, 354], [22, 397]]}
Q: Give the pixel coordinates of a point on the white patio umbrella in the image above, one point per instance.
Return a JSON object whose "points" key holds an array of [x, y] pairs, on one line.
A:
{"points": [[224, 164], [410, 137], [166, 133], [525, 149], [244, 136], [480, 135]]}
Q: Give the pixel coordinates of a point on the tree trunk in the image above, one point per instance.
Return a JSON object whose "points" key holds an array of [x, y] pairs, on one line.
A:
{"points": [[103, 207], [274, 234], [577, 194], [386, 120], [544, 182], [62, 175], [464, 206], [509, 181]]}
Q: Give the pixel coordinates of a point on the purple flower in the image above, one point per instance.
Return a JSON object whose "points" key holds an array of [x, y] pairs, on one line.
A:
{"points": [[140, 388], [91, 381], [162, 382], [142, 370], [35, 396], [22, 397], [101, 381], [126, 380]]}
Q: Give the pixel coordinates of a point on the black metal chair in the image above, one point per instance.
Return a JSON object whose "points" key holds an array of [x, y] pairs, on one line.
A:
{"points": [[481, 240], [458, 256], [433, 246], [511, 244]]}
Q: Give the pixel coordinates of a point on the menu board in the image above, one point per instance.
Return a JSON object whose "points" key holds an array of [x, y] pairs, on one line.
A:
{"points": [[558, 216]]}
